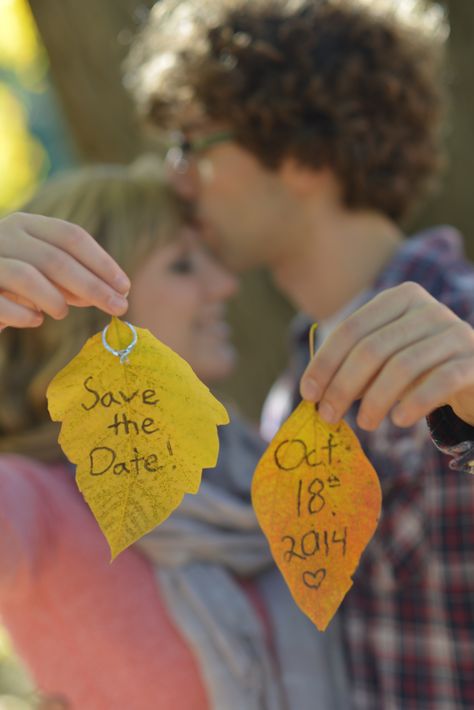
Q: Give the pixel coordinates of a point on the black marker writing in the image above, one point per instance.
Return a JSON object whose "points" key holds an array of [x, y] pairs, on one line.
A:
{"points": [[315, 501]]}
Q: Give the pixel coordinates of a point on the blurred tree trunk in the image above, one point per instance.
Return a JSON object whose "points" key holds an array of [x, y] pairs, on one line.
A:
{"points": [[454, 203], [259, 318], [86, 42]]}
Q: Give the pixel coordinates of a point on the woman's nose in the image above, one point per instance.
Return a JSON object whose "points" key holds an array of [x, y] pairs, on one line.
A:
{"points": [[221, 284]]}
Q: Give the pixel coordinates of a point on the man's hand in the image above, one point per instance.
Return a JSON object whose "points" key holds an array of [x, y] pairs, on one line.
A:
{"points": [[47, 264], [403, 352]]}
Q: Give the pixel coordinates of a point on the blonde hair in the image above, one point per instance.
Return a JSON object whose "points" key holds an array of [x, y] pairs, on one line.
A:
{"points": [[129, 211]]}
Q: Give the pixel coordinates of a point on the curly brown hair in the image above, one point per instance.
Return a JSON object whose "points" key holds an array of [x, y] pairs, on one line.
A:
{"points": [[327, 82]]}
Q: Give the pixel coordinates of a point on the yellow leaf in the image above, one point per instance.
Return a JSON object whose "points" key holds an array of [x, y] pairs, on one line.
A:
{"points": [[140, 432], [318, 501]]}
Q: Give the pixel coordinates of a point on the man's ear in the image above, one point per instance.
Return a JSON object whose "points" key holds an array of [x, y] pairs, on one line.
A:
{"points": [[305, 182]]}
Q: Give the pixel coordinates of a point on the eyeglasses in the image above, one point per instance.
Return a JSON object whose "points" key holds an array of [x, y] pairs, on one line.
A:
{"points": [[181, 149]]}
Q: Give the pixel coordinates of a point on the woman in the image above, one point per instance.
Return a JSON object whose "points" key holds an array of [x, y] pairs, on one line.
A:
{"points": [[95, 633]]}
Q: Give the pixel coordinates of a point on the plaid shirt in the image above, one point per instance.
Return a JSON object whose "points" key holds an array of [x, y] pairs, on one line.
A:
{"points": [[408, 620]]}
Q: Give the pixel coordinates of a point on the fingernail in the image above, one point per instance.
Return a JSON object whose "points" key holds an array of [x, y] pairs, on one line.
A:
{"points": [[400, 418], [36, 319], [310, 390], [327, 413], [117, 304], [364, 422], [122, 283]]}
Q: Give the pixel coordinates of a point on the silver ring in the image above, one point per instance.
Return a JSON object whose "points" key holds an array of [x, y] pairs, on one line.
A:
{"points": [[122, 354]]}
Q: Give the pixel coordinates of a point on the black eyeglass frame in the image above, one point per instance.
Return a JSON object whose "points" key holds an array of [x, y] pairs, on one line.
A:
{"points": [[181, 148]]}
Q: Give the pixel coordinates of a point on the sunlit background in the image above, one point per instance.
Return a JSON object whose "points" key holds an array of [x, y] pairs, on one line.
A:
{"points": [[32, 139]]}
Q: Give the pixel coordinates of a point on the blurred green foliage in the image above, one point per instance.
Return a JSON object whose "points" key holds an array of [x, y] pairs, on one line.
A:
{"points": [[17, 691]]}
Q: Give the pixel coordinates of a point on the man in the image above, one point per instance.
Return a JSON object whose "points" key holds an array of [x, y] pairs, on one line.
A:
{"points": [[309, 131], [253, 217]]}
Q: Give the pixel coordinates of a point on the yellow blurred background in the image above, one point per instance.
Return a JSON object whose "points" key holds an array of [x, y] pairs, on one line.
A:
{"points": [[23, 160]]}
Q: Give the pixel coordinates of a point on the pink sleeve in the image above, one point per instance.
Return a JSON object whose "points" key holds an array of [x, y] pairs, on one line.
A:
{"points": [[23, 515]]}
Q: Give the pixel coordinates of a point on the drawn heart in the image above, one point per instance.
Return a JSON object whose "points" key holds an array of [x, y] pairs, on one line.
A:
{"points": [[314, 579]]}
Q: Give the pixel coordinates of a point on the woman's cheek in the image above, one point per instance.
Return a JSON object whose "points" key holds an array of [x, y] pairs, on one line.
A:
{"points": [[182, 306]]}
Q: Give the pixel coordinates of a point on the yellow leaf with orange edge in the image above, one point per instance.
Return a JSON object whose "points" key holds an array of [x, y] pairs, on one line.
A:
{"points": [[318, 501], [139, 431]]}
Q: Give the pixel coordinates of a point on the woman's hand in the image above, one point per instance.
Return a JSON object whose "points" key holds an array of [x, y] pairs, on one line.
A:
{"points": [[404, 353], [47, 264]]}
